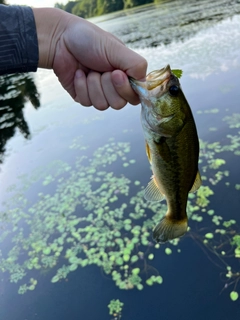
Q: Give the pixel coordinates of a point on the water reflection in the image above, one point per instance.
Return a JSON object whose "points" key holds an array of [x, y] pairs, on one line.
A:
{"points": [[168, 21], [15, 91], [83, 207]]}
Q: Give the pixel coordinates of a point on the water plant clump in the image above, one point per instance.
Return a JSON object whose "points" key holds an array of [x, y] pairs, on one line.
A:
{"points": [[90, 219], [115, 308], [83, 222]]}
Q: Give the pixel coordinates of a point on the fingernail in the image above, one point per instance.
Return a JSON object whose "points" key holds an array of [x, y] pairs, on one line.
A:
{"points": [[79, 73], [118, 80]]}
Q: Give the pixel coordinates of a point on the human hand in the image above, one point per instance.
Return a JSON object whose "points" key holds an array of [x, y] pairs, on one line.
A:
{"points": [[91, 64]]}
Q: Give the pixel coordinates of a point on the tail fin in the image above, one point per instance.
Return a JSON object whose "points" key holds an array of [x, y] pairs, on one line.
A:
{"points": [[169, 229]]}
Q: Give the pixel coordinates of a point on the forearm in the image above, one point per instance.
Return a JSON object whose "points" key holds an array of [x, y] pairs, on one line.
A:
{"points": [[50, 24], [18, 40]]}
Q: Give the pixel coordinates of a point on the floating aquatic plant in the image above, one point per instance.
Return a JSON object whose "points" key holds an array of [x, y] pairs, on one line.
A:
{"points": [[215, 110], [97, 233], [30, 286], [177, 72], [233, 295], [233, 120], [90, 219], [115, 308], [154, 279]]}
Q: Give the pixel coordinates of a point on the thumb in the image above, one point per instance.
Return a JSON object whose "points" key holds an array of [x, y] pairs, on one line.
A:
{"points": [[127, 60]]}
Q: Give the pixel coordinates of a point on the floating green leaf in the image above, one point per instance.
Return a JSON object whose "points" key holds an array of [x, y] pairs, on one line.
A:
{"points": [[135, 271], [209, 235], [168, 251], [159, 279], [177, 72], [47, 251], [126, 257], [73, 267], [55, 279], [233, 295]]}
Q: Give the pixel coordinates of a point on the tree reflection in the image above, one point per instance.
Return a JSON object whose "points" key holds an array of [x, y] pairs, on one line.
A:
{"points": [[15, 91]]}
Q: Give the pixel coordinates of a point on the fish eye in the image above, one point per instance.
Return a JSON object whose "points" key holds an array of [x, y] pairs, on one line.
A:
{"points": [[173, 90]]}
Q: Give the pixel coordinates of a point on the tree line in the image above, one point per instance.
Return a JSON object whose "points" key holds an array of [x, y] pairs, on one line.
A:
{"points": [[91, 8]]}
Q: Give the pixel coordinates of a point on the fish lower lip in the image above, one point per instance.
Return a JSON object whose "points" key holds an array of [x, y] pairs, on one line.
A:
{"points": [[158, 77]]}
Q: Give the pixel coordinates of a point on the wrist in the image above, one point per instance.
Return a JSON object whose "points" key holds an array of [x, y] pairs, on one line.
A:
{"points": [[50, 24]]}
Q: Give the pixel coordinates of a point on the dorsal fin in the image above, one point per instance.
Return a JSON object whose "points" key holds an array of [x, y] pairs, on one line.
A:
{"points": [[197, 183], [152, 191]]}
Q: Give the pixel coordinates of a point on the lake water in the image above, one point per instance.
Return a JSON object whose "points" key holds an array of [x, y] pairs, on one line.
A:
{"points": [[75, 228]]}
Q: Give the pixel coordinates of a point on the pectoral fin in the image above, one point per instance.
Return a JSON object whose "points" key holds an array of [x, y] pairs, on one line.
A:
{"points": [[148, 153], [197, 183], [152, 192]]}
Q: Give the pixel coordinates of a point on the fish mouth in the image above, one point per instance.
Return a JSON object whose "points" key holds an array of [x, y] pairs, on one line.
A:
{"points": [[155, 79], [158, 77]]}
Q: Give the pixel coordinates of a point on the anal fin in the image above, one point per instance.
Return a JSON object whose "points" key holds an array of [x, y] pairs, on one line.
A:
{"points": [[152, 192]]}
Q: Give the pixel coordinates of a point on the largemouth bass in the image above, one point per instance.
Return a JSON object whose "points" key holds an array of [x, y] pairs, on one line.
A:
{"points": [[172, 148]]}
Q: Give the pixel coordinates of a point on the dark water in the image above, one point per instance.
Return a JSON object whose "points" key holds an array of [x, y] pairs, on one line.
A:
{"points": [[61, 162]]}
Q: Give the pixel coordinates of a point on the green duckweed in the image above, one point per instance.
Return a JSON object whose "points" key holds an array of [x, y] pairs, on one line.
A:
{"points": [[115, 307], [91, 219], [168, 251], [233, 295]]}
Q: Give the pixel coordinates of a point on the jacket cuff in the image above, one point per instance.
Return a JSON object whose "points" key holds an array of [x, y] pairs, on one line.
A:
{"points": [[18, 40]]}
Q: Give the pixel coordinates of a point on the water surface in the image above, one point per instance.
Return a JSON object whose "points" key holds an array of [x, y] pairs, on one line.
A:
{"points": [[65, 167]]}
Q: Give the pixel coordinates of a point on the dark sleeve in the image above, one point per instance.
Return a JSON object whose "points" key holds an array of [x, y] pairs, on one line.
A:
{"points": [[18, 40]]}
